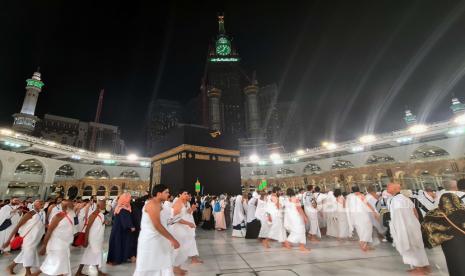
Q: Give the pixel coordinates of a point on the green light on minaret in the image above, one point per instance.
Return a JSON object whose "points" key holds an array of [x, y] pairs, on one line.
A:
{"points": [[34, 83]]}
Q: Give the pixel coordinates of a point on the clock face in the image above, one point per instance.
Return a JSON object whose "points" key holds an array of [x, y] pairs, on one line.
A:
{"points": [[223, 49]]}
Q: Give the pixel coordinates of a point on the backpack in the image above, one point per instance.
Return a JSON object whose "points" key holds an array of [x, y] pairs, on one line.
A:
{"points": [[217, 207]]}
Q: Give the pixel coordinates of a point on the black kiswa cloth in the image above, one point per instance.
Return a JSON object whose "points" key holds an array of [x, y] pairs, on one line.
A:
{"points": [[253, 229]]}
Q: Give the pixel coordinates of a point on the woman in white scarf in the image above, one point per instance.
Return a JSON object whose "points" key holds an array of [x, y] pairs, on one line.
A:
{"points": [[238, 219]]}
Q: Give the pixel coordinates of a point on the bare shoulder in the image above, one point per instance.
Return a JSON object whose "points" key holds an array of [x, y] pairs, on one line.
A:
{"points": [[152, 206]]}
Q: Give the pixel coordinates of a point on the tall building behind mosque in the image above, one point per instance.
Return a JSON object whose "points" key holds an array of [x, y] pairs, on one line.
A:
{"points": [[230, 102], [231, 97]]}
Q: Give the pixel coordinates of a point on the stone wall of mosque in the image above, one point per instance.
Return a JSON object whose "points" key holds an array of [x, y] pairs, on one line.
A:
{"points": [[411, 175], [101, 187], [25, 175]]}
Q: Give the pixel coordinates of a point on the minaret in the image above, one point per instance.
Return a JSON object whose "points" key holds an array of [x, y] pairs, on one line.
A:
{"points": [[26, 120], [457, 107], [251, 100], [409, 118], [214, 95]]}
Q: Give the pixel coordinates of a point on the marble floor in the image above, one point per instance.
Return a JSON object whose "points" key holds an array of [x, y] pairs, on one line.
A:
{"points": [[224, 255]]}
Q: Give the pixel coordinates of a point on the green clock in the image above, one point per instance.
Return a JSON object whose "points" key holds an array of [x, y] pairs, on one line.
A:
{"points": [[223, 46], [223, 49]]}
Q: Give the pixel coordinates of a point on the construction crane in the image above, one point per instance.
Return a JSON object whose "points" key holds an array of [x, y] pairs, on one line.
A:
{"points": [[93, 139]]}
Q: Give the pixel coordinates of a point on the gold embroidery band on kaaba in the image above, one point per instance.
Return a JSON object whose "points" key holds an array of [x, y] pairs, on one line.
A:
{"points": [[196, 149]]}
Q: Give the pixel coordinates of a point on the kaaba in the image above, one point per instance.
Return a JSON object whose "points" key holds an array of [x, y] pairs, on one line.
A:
{"points": [[191, 153]]}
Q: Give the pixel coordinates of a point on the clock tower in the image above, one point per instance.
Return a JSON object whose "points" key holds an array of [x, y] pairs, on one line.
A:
{"points": [[222, 86]]}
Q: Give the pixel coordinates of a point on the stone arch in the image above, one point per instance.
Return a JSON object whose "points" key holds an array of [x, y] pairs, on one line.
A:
{"points": [[258, 172], [408, 181], [114, 191], [427, 179], [379, 158], [399, 174], [383, 181], [72, 192], [101, 191], [28, 178], [341, 164], [88, 190], [446, 174], [30, 166], [428, 151], [129, 174], [97, 173], [284, 172], [65, 171], [311, 168]]}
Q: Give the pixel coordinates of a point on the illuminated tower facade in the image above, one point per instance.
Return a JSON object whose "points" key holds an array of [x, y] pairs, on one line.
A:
{"points": [[26, 121], [224, 74], [252, 112], [214, 96]]}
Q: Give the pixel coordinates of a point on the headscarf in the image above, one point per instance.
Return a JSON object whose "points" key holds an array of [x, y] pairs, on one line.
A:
{"points": [[238, 215], [124, 202], [440, 225]]}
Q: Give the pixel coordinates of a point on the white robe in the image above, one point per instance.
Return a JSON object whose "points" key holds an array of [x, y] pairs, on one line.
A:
{"points": [[426, 200], [329, 209], [93, 254], [154, 252], [251, 209], [294, 223], [260, 214], [32, 232], [406, 231], [320, 198], [83, 216], [57, 260], [192, 243], [312, 215], [358, 216], [6, 213], [277, 231], [182, 234], [238, 218], [341, 216], [376, 222], [55, 210]]}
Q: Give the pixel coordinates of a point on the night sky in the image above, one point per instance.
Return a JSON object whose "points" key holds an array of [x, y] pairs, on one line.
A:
{"points": [[349, 67]]}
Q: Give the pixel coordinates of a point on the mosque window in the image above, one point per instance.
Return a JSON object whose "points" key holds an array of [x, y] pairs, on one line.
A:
{"points": [[30, 166], [379, 158], [428, 151], [97, 173], [312, 169], [341, 164]]}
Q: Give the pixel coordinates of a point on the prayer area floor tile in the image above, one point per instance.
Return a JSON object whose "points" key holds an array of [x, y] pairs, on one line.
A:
{"points": [[227, 256]]}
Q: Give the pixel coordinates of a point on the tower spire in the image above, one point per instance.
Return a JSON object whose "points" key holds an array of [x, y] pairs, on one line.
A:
{"points": [[25, 121], [221, 28]]}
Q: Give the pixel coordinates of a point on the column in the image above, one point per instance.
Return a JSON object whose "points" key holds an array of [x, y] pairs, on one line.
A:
{"points": [[253, 118], [214, 96]]}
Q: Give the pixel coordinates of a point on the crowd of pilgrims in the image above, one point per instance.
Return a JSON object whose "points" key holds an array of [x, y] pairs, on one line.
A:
{"points": [[157, 232]]}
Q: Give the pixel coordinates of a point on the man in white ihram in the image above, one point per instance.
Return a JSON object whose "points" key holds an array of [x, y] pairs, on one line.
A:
{"points": [[31, 227], [406, 231], [358, 216], [13, 213]]}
